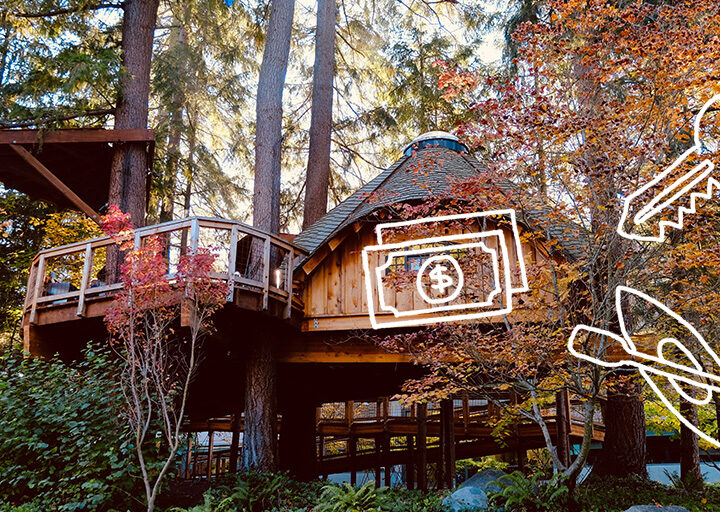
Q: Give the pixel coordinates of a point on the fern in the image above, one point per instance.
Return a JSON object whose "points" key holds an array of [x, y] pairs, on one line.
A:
{"points": [[346, 498]]}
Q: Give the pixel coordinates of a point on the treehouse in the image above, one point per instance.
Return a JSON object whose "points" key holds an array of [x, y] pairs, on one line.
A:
{"points": [[305, 297]]}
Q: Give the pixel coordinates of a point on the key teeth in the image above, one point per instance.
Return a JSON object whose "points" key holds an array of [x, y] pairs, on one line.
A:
{"points": [[694, 196]]}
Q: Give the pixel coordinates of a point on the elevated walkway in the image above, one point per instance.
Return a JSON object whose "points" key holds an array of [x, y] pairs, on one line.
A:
{"points": [[368, 436]]}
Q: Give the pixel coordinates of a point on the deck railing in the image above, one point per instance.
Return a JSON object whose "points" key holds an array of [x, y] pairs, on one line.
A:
{"points": [[247, 258]]}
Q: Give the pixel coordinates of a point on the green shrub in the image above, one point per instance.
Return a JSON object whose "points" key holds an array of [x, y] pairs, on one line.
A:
{"points": [[257, 492], [610, 494], [62, 443], [403, 500], [518, 492]]}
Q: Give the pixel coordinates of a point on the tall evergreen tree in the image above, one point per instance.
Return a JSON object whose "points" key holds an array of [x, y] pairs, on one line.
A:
{"points": [[318, 168]]}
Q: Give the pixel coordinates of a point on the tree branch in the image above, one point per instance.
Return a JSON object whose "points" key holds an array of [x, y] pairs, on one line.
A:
{"points": [[69, 10], [42, 120]]}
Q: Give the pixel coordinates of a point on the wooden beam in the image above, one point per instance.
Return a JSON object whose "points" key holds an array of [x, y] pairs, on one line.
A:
{"points": [[316, 259], [75, 136], [55, 182], [302, 351]]}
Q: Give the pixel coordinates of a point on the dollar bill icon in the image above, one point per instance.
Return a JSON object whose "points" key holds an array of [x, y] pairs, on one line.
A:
{"points": [[444, 269]]}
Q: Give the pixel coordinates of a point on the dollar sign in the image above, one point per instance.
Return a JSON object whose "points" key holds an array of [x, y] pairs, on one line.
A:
{"points": [[442, 280]]}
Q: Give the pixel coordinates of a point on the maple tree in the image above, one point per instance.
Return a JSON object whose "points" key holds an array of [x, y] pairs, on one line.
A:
{"points": [[160, 359], [602, 100]]}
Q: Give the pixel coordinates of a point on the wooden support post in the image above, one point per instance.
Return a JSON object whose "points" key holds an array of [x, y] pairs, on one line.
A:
{"points": [[211, 444], [410, 466], [562, 408], [352, 452], [234, 444], [521, 456], [446, 467], [387, 463], [232, 262], [289, 283], [56, 182], [297, 438], [421, 464], [466, 410], [378, 458], [188, 458]]}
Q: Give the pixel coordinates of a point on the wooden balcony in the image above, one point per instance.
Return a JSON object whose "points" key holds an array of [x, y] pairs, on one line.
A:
{"points": [[70, 282]]}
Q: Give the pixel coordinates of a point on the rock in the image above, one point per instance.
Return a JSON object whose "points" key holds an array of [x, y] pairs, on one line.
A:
{"points": [[655, 508], [465, 498], [472, 494], [482, 480]]}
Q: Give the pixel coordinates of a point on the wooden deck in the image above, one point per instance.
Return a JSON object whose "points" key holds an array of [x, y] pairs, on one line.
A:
{"points": [[68, 283]]}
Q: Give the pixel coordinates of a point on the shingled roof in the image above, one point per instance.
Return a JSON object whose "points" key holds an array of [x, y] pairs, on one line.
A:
{"points": [[426, 172]]}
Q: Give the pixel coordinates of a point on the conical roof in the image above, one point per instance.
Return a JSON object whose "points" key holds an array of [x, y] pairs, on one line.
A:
{"points": [[426, 170]]}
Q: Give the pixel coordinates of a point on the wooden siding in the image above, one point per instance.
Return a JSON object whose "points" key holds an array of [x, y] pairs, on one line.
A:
{"points": [[335, 295]]}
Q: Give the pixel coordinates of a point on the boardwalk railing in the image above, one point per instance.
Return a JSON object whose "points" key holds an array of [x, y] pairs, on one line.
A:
{"points": [[247, 258]]}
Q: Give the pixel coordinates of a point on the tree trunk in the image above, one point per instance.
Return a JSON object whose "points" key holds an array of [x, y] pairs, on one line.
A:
{"points": [[268, 131], [260, 438], [172, 157], [318, 168], [689, 448], [128, 172], [625, 448]]}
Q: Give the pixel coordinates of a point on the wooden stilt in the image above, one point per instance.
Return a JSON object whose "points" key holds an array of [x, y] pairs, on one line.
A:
{"points": [[378, 458], [410, 467], [211, 444], [188, 458], [386, 459], [521, 456], [234, 445], [297, 439], [421, 464], [446, 467], [352, 451]]}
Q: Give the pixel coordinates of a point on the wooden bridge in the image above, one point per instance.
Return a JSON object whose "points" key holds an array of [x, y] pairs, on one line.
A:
{"points": [[423, 439]]}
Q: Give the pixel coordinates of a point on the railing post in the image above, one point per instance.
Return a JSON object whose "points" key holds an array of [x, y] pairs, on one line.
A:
{"points": [[289, 282], [84, 280], [194, 235], [232, 260], [349, 413], [39, 281], [266, 272]]}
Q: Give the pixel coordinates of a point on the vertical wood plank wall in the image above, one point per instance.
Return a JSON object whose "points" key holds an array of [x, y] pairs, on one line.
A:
{"points": [[336, 287]]}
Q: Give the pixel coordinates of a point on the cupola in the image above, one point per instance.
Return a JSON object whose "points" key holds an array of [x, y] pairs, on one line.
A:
{"points": [[436, 139]]}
